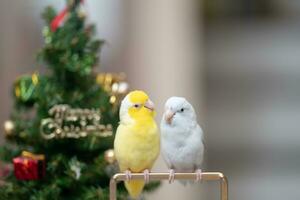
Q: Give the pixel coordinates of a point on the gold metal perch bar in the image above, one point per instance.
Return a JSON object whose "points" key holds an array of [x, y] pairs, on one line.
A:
{"points": [[206, 176]]}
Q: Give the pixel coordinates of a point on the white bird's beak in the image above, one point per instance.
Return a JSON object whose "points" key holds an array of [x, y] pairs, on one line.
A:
{"points": [[149, 105], [169, 116]]}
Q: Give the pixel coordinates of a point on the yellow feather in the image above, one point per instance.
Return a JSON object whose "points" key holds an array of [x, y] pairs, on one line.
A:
{"points": [[137, 146], [134, 188], [138, 96]]}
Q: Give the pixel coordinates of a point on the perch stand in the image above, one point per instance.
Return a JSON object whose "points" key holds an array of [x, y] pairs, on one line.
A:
{"points": [[206, 176]]}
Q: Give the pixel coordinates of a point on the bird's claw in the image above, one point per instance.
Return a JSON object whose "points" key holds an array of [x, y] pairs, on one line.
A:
{"points": [[171, 176], [128, 175], [146, 175], [198, 175]]}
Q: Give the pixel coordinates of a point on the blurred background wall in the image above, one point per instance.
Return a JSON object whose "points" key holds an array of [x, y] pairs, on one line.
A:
{"points": [[237, 61], [252, 56]]}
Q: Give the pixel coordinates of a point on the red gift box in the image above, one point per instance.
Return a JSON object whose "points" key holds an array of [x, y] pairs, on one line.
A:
{"points": [[29, 166]]}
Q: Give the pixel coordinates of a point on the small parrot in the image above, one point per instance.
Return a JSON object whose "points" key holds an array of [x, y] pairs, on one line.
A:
{"points": [[181, 138], [137, 141]]}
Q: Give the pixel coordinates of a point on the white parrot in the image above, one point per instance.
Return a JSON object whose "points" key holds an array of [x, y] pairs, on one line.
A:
{"points": [[181, 138]]}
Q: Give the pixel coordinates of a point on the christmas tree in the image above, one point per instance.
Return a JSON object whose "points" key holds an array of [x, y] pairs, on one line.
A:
{"points": [[68, 116]]}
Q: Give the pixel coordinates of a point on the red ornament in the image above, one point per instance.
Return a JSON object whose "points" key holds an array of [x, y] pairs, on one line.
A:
{"points": [[29, 166], [59, 19]]}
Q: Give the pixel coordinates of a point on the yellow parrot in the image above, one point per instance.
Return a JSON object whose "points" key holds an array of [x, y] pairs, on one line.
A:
{"points": [[137, 141]]}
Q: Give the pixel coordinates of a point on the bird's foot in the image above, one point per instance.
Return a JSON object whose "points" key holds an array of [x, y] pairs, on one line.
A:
{"points": [[128, 175], [198, 175], [146, 175], [171, 176]]}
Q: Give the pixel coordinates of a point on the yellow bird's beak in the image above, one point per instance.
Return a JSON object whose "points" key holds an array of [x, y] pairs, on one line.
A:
{"points": [[149, 105]]}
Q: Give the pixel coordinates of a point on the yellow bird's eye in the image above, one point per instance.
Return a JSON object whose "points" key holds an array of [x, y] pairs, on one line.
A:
{"points": [[137, 105]]}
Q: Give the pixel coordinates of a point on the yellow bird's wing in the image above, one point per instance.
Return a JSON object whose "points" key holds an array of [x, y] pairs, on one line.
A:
{"points": [[137, 146], [136, 149]]}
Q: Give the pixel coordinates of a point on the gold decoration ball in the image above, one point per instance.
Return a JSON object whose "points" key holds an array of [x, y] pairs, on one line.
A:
{"points": [[9, 127], [123, 87], [109, 156]]}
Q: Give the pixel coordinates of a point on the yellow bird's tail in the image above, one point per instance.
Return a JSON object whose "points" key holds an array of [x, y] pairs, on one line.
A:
{"points": [[134, 187]]}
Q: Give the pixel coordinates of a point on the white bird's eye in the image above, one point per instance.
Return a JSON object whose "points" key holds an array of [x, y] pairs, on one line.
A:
{"points": [[182, 109]]}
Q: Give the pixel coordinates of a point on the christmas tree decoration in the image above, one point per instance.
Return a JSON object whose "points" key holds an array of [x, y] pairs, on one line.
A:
{"points": [[58, 20], [9, 127], [29, 166], [185, 154], [62, 16], [115, 85], [109, 156], [76, 167], [66, 113], [67, 122], [136, 119], [112, 167], [5, 170], [25, 88]]}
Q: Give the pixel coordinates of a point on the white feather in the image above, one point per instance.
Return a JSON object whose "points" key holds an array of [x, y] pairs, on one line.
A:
{"points": [[123, 113], [182, 140]]}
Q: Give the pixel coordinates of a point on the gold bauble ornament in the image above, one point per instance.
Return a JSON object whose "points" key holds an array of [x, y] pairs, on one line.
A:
{"points": [[114, 85], [109, 156], [9, 127], [123, 87]]}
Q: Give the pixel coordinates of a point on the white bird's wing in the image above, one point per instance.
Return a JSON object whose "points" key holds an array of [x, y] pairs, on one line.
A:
{"points": [[198, 146]]}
